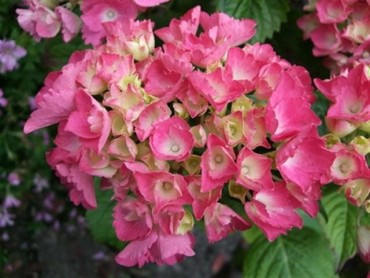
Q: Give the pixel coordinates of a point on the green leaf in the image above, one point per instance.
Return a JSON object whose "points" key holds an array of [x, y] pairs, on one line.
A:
{"points": [[312, 223], [100, 220], [303, 253], [269, 14], [365, 218], [341, 226]]}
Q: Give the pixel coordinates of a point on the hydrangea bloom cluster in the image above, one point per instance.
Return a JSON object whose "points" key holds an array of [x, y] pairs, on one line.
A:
{"points": [[348, 120], [178, 131], [46, 18], [339, 31], [10, 53]]}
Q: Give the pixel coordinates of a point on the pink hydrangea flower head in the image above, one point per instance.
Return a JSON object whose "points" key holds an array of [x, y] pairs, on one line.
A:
{"points": [[217, 164], [273, 211], [172, 140]]}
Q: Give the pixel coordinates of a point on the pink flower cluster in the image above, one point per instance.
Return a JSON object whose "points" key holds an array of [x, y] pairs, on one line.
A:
{"points": [[348, 118], [176, 132], [339, 31], [45, 18]]}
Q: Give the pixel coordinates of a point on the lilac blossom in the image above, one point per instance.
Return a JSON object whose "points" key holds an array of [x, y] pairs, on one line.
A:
{"points": [[40, 183], [9, 55], [14, 179], [10, 201], [6, 219]]}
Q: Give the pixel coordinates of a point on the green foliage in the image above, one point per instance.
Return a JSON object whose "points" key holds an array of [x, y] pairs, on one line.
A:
{"points": [[303, 253], [100, 220], [341, 226], [252, 234], [269, 14]]}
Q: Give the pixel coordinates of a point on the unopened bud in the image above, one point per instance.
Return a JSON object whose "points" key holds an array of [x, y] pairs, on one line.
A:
{"points": [[49, 3], [363, 242], [186, 224], [361, 144], [357, 191]]}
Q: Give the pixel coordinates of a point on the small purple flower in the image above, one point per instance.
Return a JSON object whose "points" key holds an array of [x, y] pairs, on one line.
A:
{"points": [[10, 202], [43, 216], [14, 179], [3, 100], [9, 55], [100, 256], [40, 183], [32, 103], [6, 219]]}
